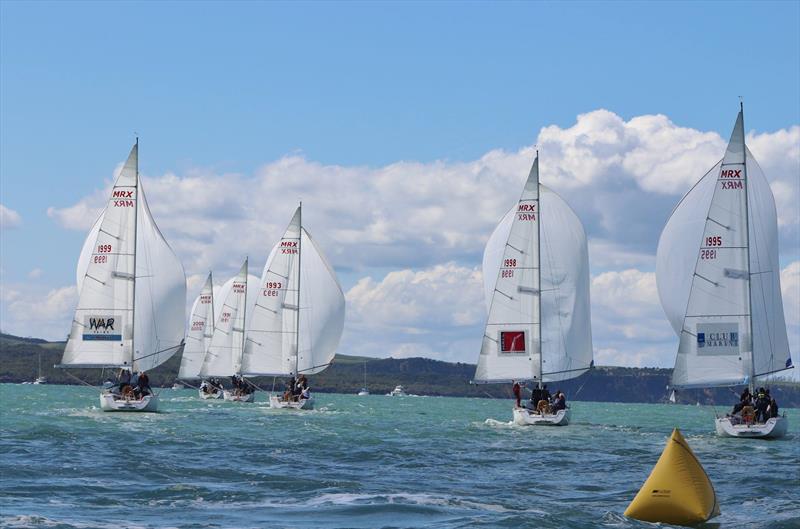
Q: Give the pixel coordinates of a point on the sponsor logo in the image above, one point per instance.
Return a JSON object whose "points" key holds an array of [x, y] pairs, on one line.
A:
{"points": [[717, 339], [512, 342], [102, 327]]}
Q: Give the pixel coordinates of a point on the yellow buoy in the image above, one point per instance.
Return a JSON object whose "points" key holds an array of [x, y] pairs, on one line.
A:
{"points": [[677, 491]]}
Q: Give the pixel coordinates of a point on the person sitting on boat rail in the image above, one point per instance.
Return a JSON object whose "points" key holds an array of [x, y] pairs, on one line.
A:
{"points": [[744, 400], [123, 379], [560, 401], [287, 395], [142, 385], [762, 403], [773, 407], [543, 406]]}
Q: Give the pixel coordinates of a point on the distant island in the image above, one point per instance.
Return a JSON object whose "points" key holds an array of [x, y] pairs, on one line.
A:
{"points": [[19, 360]]}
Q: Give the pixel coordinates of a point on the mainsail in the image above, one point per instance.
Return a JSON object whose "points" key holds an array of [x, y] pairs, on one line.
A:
{"points": [[536, 280], [224, 355], [718, 275], [131, 306], [201, 330], [298, 317]]}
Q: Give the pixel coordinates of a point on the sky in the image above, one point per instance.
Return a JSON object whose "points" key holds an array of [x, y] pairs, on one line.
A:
{"points": [[407, 129]]}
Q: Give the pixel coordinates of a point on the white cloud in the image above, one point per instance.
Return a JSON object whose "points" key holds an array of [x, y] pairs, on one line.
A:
{"points": [[409, 236], [29, 310], [35, 273], [9, 218], [790, 292]]}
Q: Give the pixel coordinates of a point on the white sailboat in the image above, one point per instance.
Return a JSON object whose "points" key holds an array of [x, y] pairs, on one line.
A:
{"points": [[298, 317], [536, 280], [224, 355], [363, 392], [198, 340], [718, 280], [40, 379], [131, 307]]}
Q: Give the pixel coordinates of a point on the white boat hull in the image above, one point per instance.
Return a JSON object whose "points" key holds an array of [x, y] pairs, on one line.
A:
{"points": [[111, 402], [212, 395], [772, 429], [280, 404], [230, 397], [363, 393], [526, 417]]}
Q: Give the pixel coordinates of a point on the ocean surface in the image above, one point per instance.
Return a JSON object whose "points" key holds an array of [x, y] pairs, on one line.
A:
{"points": [[367, 462]]}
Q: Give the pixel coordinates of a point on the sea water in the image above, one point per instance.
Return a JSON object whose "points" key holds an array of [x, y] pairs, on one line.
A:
{"points": [[369, 462]]}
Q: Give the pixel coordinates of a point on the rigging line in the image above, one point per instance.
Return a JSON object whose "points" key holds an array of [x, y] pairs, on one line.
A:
{"points": [[79, 380], [255, 386], [158, 352], [718, 223]]}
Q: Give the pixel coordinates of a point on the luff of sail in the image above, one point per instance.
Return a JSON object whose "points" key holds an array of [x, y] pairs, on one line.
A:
{"points": [[515, 250], [201, 330], [274, 347], [224, 355], [127, 268], [718, 275]]}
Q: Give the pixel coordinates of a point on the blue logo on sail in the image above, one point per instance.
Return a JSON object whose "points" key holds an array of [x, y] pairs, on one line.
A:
{"points": [[701, 339]]}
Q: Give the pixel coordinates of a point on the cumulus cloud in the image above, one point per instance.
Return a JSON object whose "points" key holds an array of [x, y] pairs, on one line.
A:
{"points": [[9, 218], [790, 292], [30, 310], [408, 236]]}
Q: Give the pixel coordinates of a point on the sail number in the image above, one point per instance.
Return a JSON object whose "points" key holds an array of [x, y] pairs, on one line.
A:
{"points": [[510, 263], [708, 254], [271, 289], [103, 249], [225, 317], [506, 273], [205, 299], [714, 241]]}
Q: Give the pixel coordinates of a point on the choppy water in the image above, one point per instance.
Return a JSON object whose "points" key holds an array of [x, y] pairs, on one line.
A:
{"points": [[362, 462]]}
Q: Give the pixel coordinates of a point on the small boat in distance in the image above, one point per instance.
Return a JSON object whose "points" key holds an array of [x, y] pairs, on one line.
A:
{"points": [[718, 278], [132, 295], [398, 391], [536, 281], [40, 379], [363, 392]]}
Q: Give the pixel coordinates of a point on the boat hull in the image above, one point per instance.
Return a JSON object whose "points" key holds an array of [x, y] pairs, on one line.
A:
{"points": [[772, 429], [109, 402], [230, 397], [206, 396], [525, 417], [280, 404]]}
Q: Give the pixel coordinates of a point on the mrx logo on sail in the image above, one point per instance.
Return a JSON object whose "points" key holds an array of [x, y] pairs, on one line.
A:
{"points": [[123, 199], [105, 328], [731, 179], [526, 212], [289, 247]]}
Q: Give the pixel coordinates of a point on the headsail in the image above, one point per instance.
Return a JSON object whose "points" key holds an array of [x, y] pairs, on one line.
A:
{"points": [[131, 307], [717, 266], [201, 330], [524, 314], [274, 346], [224, 355]]}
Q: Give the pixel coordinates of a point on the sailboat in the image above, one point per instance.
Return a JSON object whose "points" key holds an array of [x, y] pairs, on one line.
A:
{"points": [[363, 392], [298, 317], [198, 340], [131, 307], [225, 352], [40, 379], [718, 279], [536, 281]]}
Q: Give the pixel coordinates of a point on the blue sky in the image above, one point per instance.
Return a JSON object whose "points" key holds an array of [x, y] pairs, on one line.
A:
{"points": [[217, 89]]}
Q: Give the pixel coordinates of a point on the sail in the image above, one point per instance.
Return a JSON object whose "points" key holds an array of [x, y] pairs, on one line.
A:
{"points": [[510, 349], [274, 346], [707, 284], [105, 265], [224, 355], [201, 329]]}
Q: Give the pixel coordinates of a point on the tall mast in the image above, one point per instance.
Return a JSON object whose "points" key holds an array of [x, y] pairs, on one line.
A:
{"points": [[539, 263], [751, 378], [299, 275], [244, 314], [135, 231], [213, 319]]}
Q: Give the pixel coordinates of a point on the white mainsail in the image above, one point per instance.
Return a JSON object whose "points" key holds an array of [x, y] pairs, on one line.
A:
{"points": [[224, 355], [131, 306], [718, 275], [201, 330], [297, 282], [536, 281]]}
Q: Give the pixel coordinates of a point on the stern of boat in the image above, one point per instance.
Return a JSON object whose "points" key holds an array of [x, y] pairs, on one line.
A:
{"points": [[109, 402], [774, 428]]}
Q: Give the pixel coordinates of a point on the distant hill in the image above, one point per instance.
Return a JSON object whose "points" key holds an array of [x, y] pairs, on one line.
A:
{"points": [[19, 361]]}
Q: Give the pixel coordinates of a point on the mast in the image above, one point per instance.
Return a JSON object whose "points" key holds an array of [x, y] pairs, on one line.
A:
{"points": [[213, 319], [244, 314], [135, 231], [751, 383], [539, 264], [299, 275]]}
